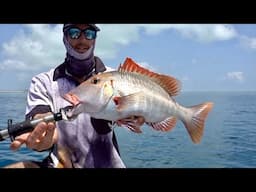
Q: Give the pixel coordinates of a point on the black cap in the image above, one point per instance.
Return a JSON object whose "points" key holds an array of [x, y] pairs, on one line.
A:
{"points": [[66, 26]]}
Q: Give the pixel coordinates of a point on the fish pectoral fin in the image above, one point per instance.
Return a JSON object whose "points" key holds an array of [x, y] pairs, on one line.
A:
{"points": [[165, 125], [133, 123], [133, 120], [128, 102]]}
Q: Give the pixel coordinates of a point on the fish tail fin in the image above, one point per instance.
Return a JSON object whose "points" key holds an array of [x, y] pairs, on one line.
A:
{"points": [[195, 119]]}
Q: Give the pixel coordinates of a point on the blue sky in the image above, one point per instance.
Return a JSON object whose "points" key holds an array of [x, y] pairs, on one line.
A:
{"points": [[204, 57]]}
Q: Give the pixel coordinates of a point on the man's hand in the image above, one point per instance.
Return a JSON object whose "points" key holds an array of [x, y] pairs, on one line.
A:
{"points": [[41, 138]]}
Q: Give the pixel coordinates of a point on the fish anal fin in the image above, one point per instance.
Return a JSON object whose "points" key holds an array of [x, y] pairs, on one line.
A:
{"points": [[165, 125], [170, 84]]}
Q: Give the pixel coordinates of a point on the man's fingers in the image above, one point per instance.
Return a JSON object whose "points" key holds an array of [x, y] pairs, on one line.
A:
{"points": [[50, 131], [16, 145], [36, 134], [41, 137], [19, 140]]}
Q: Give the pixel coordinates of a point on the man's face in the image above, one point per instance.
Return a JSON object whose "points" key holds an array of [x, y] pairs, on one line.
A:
{"points": [[81, 44]]}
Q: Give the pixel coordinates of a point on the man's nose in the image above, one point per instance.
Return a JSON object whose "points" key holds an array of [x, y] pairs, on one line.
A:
{"points": [[83, 37]]}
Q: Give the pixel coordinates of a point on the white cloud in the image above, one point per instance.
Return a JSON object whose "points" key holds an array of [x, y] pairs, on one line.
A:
{"points": [[36, 46], [112, 36], [238, 76], [207, 32], [40, 45], [10, 64], [199, 32], [248, 41], [153, 29]]}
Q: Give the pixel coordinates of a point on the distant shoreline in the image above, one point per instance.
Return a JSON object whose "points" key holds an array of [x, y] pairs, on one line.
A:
{"points": [[14, 91]]}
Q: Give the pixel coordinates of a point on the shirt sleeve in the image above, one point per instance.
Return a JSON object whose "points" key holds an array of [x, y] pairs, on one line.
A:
{"points": [[38, 98]]}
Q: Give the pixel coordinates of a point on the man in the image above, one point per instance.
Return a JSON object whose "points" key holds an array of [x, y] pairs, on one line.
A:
{"points": [[85, 141]]}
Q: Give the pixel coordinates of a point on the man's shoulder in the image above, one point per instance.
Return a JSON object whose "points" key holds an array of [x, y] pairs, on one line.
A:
{"points": [[44, 75], [99, 65]]}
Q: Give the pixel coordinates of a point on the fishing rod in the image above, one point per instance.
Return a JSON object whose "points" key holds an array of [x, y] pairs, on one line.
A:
{"points": [[14, 130]]}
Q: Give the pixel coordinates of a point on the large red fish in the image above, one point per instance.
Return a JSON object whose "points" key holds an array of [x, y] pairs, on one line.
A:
{"points": [[133, 91]]}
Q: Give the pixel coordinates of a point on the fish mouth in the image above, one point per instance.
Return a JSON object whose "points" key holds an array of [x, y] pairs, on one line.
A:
{"points": [[72, 98], [67, 113], [70, 112]]}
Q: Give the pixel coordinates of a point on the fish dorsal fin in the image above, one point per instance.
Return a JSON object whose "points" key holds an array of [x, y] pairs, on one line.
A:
{"points": [[170, 84]]}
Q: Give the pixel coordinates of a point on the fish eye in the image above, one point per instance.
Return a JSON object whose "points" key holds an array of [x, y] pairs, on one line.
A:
{"points": [[95, 80]]}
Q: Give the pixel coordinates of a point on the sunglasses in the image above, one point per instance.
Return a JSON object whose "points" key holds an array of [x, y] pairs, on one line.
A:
{"points": [[75, 33]]}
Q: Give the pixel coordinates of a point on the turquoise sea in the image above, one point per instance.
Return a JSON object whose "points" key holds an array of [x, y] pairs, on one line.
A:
{"points": [[229, 139]]}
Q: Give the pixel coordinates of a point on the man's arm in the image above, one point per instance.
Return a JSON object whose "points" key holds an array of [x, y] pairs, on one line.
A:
{"points": [[39, 102]]}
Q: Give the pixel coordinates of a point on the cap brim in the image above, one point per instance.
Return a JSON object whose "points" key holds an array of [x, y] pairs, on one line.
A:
{"points": [[94, 26], [66, 26]]}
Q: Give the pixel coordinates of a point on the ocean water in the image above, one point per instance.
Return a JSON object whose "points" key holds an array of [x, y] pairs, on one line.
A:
{"points": [[229, 139]]}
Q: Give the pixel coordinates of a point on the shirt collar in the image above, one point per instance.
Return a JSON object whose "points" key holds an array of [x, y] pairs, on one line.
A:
{"points": [[60, 71]]}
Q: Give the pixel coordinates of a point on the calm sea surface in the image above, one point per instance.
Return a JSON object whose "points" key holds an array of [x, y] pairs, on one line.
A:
{"points": [[229, 139]]}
